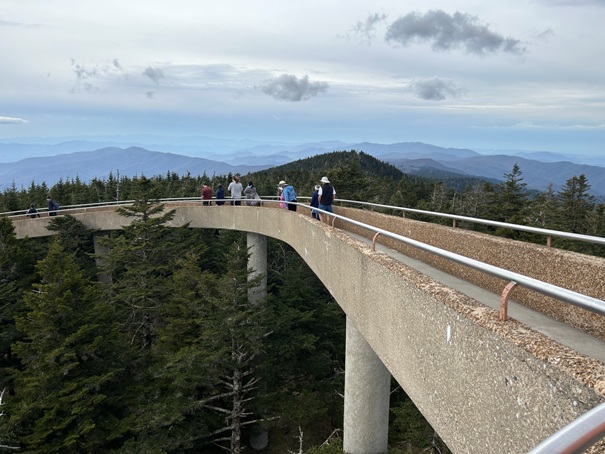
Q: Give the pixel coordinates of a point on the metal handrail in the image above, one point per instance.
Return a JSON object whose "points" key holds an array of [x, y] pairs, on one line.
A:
{"points": [[455, 217], [569, 296], [577, 436], [523, 228]]}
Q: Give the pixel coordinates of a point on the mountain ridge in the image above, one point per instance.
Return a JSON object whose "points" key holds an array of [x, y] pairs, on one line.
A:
{"points": [[411, 157]]}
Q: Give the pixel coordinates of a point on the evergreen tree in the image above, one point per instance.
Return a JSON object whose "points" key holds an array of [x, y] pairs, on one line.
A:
{"points": [[171, 408], [77, 239], [575, 204], [236, 327], [63, 394], [304, 363], [511, 197]]}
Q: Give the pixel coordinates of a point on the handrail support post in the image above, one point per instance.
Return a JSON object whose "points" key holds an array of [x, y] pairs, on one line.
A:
{"points": [[374, 241], [504, 300]]}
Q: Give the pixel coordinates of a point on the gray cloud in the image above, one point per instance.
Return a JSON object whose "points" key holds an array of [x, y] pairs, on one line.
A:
{"points": [[150, 95], [447, 32], [288, 87], [85, 75], [12, 121], [154, 74], [82, 72], [367, 29], [435, 89]]}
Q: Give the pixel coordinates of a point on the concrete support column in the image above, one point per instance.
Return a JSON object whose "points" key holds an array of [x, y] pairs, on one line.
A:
{"points": [[100, 251], [367, 390], [257, 262]]}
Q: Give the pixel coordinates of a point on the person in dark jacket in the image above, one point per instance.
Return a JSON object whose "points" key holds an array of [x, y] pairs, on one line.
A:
{"points": [[32, 212], [220, 195], [315, 202], [327, 194], [52, 206]]}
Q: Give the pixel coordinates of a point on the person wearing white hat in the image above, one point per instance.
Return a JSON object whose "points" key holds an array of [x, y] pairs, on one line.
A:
{"points": [[289, 194], [326, 196]]}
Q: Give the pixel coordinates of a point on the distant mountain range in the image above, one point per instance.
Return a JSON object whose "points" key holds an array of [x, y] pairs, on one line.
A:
{"points": [[86, 159]]}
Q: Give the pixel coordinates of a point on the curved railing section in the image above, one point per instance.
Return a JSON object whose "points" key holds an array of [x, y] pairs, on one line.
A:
{"points": [[577, 436], [548, 233]]}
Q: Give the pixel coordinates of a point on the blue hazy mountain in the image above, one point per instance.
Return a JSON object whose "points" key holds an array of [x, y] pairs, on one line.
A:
{"points": [[30, 160]]}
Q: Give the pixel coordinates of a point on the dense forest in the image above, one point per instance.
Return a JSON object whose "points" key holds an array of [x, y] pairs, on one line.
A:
{"points": [[155, 348]]}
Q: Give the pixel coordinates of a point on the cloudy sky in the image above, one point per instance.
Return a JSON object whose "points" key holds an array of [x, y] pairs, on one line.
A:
{"points": [[516, 74]]}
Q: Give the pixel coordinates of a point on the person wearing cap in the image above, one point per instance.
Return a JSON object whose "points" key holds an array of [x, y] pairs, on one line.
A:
{"points": [[206, 195], [315, 202], [326, 195], [289, 195]]}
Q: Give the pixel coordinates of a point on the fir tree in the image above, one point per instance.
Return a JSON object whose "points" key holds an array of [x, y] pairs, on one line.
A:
{"points": [[63, 394]]}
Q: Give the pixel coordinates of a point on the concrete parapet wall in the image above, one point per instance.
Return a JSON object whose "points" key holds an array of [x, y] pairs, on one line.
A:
{"points": [[578, 272], [485, 386]]}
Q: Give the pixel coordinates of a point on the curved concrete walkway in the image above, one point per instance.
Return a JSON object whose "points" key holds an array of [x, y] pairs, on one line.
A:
{"points": [[485, 386]]}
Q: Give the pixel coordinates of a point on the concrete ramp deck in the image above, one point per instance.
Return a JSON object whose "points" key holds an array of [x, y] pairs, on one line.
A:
{"points": [[569, 336]]}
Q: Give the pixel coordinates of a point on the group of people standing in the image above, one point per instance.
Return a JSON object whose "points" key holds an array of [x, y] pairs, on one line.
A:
{"points": [[236, 188], [321, 199]]}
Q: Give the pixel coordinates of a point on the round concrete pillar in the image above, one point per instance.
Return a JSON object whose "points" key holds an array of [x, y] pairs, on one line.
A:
{"points": [[257, 263], [367, 390]]}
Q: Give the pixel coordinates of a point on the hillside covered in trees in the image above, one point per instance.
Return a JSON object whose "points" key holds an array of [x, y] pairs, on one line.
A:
{"points": [[156, 348]]}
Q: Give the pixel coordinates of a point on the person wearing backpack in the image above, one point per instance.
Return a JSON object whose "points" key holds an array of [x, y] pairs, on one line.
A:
{"points": [[289, 195], [32, 212], [53, 206]]}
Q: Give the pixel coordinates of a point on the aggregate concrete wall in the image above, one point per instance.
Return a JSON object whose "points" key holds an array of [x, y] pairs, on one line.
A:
{"points": [[578, 272], [485, 386]]}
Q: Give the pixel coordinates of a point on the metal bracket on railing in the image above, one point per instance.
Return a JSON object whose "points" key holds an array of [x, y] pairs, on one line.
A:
{"points": [[454, 223], [548, 240], [504, 300], [374, 241], [333, 221]]}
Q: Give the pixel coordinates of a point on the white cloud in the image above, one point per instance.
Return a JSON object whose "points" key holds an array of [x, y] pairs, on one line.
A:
{"points": [[12, 121]]}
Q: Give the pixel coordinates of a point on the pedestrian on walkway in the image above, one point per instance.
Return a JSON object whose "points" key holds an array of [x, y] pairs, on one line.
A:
{"points": [[206, 195], [235, 188], [289, 195], [327, 194], [315, 202]]}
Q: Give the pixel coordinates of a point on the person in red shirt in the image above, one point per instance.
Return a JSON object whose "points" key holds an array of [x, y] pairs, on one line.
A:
{"points": [[206, 195]]}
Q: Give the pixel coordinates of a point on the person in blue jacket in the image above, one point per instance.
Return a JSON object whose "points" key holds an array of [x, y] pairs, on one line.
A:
{"points": [[289, 195]]}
